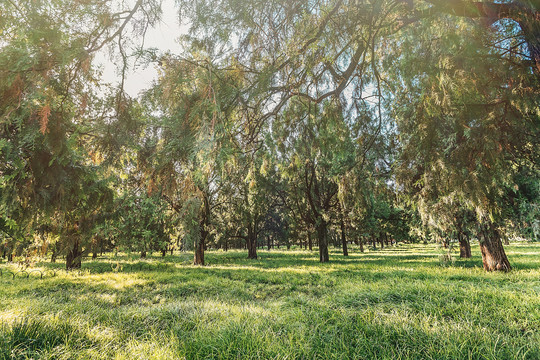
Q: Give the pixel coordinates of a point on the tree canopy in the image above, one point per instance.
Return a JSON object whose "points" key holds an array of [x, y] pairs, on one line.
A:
{"points": [[277, 123]]}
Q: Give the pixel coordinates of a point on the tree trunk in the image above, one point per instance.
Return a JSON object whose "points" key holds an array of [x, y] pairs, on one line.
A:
{"points": [[493, 255], [310, 241], [251, 244], [464, 246], [198, 258], [74, 256], [143, 254], [381, 241], [54, 253], [199, 253], [343, 238], [163, 252], [322, 236], [361, 243]]}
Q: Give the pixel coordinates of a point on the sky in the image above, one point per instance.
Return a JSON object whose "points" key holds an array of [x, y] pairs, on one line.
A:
{"points": [[164, 37]]}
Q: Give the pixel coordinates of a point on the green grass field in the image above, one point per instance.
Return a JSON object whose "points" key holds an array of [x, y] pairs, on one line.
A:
{"points": [[397, 303]]}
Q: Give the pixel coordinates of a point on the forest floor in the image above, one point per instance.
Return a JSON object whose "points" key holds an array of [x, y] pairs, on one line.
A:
{"points": [[398, 303]]}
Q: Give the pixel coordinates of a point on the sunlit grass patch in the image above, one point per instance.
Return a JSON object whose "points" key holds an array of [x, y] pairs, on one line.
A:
{"points": [[387, 304]]}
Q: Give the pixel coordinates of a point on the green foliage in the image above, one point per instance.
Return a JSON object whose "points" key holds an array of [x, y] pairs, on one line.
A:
{"points": [[142, 223]]}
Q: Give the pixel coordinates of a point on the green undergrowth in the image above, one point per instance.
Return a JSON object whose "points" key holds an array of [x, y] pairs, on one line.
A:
{"points": [[398, 303]]}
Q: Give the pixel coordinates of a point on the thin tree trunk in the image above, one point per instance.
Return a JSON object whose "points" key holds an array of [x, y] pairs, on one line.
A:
{"points": [[343, 238], [361, 243], [54, 253], [493, 254], [200, 246]]}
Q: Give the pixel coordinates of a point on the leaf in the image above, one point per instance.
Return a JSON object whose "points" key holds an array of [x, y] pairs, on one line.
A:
{"points": [[44, 114]]}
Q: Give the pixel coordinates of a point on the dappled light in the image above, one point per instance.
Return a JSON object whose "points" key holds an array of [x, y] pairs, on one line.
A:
{"points": [[277, 179], [276, 309]]}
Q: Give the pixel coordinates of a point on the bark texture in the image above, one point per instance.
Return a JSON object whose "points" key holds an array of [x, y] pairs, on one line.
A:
{"points": [[493, 254]]}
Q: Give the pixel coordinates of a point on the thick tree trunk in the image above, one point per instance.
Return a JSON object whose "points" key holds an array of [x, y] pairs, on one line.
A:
{"points": [[74, 256], [361, 243], [322, 236], [143, 254], [493, 255], [464, 246], [163, 252], [310, 241], [199, 253], [343, 238], [252, 244], [381, 241]]}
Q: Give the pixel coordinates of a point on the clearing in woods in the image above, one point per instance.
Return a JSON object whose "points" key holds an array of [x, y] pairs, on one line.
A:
{"points": [[397, 303]]}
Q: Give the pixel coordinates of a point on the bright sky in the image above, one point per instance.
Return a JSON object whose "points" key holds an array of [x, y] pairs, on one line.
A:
{"points": [[163, 37]]}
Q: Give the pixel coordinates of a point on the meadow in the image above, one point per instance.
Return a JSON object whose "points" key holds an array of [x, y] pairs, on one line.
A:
{"points": [[402, 302]]}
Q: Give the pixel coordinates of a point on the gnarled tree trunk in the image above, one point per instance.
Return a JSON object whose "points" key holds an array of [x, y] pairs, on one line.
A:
{"points": [[493, 255]]}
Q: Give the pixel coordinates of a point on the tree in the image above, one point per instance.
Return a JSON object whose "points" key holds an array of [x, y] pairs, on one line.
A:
{"points": [[314, 149], [46, 98], [461, 124]]}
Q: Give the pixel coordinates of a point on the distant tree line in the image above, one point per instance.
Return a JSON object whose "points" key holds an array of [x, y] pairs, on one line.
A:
{"points": [[280, 123]]}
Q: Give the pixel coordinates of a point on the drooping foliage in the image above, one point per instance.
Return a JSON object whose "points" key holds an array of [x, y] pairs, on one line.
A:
{"points": [[296, 123]]}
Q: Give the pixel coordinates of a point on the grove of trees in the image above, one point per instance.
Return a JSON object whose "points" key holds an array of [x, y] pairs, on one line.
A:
{"points": [[286, 123]]}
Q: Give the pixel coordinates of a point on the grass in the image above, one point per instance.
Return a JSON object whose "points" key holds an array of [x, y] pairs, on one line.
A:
{"points": [[397, 303]]}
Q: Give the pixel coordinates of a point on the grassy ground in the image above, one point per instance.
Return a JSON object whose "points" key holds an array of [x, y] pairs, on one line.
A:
{"points": [[397, 303]]}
